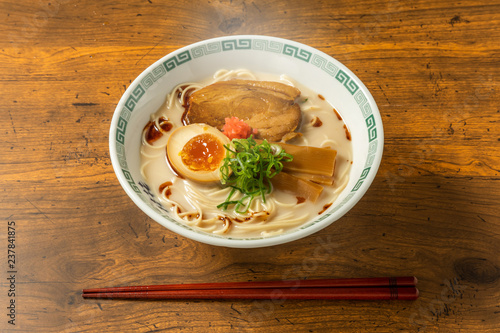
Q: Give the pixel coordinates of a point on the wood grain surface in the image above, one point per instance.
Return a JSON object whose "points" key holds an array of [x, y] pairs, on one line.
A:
{"points": [[432, 211]]}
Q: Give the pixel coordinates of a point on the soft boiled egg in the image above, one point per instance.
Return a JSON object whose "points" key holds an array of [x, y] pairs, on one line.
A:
{"points": [[197, 152]]}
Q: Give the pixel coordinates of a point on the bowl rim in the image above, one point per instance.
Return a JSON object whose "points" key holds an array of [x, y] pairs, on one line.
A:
{"points": [[295, 234]]}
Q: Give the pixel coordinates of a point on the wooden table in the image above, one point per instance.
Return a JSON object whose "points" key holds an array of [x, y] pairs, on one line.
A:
{"points": [[432, 211]]}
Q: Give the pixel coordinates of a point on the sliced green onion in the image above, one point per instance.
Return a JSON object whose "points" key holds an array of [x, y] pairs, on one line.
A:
{"points": [[248, 168]]}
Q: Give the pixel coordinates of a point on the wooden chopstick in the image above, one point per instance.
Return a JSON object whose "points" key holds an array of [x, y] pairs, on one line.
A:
{"points": [[359, 288], [342, 293], [404, 281]]}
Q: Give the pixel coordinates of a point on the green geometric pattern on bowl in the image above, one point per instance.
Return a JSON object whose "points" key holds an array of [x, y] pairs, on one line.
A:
{"points": [[233, 45]]}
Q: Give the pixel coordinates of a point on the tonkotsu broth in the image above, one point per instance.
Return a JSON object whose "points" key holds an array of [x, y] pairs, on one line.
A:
{"points": [[195, 204]]}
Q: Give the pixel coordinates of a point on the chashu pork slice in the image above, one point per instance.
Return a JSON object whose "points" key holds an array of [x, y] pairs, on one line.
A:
{"points": [[266, 106]]}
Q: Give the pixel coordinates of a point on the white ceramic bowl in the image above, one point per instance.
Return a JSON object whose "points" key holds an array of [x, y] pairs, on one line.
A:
{"points": [[305, 64]]}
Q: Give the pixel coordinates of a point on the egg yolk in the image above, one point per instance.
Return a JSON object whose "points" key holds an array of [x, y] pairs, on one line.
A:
{"points": [[203, 152]]}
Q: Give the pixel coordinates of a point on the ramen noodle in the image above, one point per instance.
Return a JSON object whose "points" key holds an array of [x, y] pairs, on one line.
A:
{"points": [[195, 204]]}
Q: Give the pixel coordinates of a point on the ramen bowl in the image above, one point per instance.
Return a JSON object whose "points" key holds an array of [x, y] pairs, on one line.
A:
{"points": [[311, 67]]}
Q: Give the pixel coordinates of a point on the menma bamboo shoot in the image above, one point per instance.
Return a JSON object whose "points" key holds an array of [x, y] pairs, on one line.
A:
{"points": [[312, 160], [318, 179], [299, 187]]}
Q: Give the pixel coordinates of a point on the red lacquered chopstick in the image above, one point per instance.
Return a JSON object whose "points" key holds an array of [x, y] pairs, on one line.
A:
{"points": [[343, 293], [404, 281]]}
